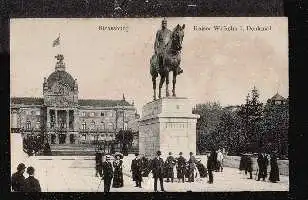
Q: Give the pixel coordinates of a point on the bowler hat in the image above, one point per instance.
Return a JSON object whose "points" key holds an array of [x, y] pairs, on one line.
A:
{"points": [[170, 153], [30, 170], [158, 153], [181, 153], [191, 153], [21, 166]]}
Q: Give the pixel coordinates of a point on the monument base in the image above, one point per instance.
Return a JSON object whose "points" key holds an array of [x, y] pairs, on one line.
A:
{"points": [[167, 125]]}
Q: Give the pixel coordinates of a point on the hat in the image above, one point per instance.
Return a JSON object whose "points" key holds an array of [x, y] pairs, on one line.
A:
{"points": [[136, 154], [21, 166], [170, 153], [158, 153], [190, 153], [181, 153], [30, 170]]}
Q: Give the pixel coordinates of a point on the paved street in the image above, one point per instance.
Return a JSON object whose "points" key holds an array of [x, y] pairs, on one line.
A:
{"points": [[77, 174]]}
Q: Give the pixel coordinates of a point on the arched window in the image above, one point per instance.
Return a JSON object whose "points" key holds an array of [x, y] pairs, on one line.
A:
{"points": [[110, 126], [125, 126], [37, 125], [28, 125]]}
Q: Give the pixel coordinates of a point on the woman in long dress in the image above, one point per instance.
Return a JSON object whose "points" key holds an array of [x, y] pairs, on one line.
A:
{"points": [[274, 173], [117, 174]]}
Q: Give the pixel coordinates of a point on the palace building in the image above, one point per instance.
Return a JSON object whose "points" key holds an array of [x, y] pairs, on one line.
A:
{"points": [[63, 118]]}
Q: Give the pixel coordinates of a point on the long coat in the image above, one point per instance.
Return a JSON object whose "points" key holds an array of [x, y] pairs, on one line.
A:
{"points": [[181, 165], [274, 173], [32, 185], [118, 174], [169, 165], [107, 170], [158, 168], [136, 168], [18, 181]]}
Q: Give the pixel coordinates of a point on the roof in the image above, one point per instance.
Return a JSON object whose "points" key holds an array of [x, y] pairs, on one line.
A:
{"points": [[27, 100], [278, 97], [102, 102], [62, 76]]}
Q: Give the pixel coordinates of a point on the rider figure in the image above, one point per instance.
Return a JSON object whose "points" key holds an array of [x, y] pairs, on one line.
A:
{"points": [[162, 38]]}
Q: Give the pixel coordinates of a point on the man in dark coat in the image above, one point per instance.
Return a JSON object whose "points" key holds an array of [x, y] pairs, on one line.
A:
{"points": [[249, 166], [181, 166], [98, 163], [211, 166], [18, 179], [274, 173], [136, 169], [170, 162], [107, 173], [158, 171], [31, 183], [191, 167], [262, 164]]}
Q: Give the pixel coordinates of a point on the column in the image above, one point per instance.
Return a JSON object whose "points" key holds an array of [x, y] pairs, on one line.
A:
{"points": [[48, 119], [56, 118], [67, 119]]}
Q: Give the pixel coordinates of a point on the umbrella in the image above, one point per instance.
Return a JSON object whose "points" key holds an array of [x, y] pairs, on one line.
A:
{"points": [[118, 154]]}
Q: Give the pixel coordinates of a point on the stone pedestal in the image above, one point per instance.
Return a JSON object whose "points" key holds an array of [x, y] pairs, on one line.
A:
{"points": [[167, 125]]}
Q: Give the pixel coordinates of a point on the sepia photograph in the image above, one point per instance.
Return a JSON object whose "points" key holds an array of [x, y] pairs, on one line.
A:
{"points": [[164, 104]]}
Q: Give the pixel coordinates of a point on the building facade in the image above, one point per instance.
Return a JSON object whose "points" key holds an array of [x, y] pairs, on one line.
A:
{"points": [[62, 118]]}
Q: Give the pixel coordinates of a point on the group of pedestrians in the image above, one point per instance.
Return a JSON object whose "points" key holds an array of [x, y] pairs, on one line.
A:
{"points": [[21, 184], [110, 171], [263, 161]]}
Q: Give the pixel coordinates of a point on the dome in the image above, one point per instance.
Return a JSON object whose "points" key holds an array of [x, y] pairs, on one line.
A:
{"points": [[61, 76]]}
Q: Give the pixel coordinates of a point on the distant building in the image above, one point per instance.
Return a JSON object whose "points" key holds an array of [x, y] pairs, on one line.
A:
{"points": [[63, 118], [277, 99]]}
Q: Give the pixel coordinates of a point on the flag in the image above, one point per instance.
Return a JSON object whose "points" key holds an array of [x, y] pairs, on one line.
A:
{"points": [[56, 42]]}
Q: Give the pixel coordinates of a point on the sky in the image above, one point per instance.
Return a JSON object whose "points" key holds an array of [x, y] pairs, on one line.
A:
{"points": [[221, 66]]}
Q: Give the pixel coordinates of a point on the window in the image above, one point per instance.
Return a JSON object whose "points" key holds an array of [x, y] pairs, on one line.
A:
{"points": [[28, 125], [102, 125], [28, 112], [83, 114], [38, 112], [125, 126], [37, 125], [102, 114], [84, 125], [32, 112], [92, 114], [110, 114], [92, 124], [14, 120]]}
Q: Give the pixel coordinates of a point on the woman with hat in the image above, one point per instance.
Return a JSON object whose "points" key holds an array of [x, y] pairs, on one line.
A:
{"points": [[117, 174], [18, 179]]}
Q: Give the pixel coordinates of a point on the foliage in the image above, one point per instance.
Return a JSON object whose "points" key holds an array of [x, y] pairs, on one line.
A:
{"points": [[250, 127], [125, 138]]}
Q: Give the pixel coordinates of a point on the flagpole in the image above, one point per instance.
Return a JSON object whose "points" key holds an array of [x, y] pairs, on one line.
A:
{"points": [[60, 49]]}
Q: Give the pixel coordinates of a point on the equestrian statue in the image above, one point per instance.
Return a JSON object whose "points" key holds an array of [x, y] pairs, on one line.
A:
{"points": [[167, 57]]}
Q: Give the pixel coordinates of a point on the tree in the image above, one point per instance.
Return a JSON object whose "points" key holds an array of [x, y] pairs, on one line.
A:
{"points": [[125, 137], [207, 124], [275, 128], [250, 114]]}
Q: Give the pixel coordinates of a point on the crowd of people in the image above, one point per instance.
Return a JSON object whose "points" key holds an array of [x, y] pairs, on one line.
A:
{"points": [[186, 169], [263, 161], [21, 184]]}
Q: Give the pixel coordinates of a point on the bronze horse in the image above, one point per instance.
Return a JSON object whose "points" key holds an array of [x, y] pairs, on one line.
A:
{"points": [[169, 60]]}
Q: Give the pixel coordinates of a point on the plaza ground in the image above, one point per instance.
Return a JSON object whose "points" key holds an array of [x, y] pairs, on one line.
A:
{"points": [[77, 174]]}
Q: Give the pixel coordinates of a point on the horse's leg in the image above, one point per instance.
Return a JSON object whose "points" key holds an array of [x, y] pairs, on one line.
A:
{"points": [[174, 82], [161, 82], [154, 86], [167, 83]]}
